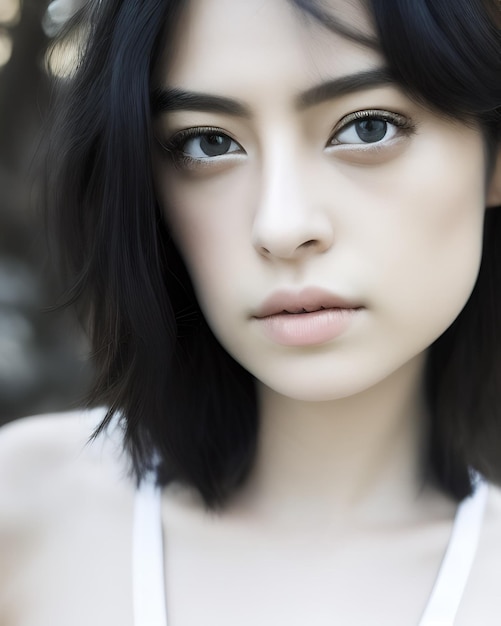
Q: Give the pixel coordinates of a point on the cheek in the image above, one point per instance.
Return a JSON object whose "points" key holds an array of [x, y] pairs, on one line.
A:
{"points": [[432, 224], [208, 222], [408, 235], [452, 206]]}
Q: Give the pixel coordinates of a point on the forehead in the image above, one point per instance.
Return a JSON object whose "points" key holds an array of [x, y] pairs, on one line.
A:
{"points": [[236, 45]]}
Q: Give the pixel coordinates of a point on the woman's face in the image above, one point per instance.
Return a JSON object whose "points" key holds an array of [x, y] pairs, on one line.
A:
{"points": [[331, 225]]}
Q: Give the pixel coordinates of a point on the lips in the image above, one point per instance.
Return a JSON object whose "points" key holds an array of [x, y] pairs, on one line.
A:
{"points": [[308, 300]]}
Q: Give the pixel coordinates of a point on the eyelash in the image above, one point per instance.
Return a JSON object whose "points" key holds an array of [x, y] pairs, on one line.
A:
{"points": [[174, 146], [400, 122]]}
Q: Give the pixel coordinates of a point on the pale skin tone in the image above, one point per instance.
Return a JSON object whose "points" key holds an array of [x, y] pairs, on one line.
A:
{"points": [[335, 525]]}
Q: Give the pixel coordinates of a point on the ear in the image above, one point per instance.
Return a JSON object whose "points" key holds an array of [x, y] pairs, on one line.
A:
{"points": [[494, 187]]}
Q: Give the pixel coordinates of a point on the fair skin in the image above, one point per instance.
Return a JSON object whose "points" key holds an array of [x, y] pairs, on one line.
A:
{"points": [[335, 525], [394, 227]]}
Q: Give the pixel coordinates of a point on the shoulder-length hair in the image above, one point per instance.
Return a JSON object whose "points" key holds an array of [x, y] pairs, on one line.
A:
{"points": [[188, 409]]}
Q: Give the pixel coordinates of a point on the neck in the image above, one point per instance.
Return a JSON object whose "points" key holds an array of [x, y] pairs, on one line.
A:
{"points": [[356, 457]]}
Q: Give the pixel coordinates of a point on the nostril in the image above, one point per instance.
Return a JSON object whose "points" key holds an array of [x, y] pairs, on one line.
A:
{"points": [[308, 244]]}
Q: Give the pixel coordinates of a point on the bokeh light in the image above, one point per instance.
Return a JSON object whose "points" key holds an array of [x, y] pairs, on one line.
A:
{"points": [[5, 46], [62, 60], [10, 11]]}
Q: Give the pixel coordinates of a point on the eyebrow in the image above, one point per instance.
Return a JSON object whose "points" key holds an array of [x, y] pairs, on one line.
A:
{"points": [[351, 83], [165, 100], [174, 99]]}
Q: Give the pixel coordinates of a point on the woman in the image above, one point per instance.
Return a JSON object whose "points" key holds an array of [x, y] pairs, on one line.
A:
{"points": [[274, 217]]}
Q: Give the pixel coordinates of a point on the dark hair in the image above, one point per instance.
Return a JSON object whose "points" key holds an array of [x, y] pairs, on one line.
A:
{"points": [[188, 409]]}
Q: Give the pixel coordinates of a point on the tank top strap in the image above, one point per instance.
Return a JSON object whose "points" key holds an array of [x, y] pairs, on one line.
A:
{"points": [[458, 560], [148, 559], [148, 581]]}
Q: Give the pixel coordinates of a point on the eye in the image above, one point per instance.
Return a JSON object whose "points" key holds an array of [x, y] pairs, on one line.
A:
{"points": [[367, 131], [369, 128], [210, 145], [202, 144]]}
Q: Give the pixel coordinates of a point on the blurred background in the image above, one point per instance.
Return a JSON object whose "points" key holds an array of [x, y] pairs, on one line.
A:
{"points": [[43, 355]]}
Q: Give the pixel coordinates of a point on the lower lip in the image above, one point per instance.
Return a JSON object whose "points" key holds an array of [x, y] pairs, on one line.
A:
{"points": [[307, 329]]}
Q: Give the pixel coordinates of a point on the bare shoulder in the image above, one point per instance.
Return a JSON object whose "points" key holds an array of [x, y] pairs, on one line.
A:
{"points": [[66, 506], [47, 433], [54, 449], [49, 461]]}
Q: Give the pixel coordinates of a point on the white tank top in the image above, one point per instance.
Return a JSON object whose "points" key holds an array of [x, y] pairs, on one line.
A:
{"points": [[148, 568]]}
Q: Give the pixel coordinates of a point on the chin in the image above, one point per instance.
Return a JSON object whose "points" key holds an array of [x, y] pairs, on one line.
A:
{"points": [[323, 389], [331, 382]]}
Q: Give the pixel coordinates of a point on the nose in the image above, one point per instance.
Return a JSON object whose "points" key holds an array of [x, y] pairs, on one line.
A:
{"points": [[290, 221]]}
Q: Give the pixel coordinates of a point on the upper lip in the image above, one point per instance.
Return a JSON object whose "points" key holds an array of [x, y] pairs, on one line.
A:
{"points": [[305, 301]]}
